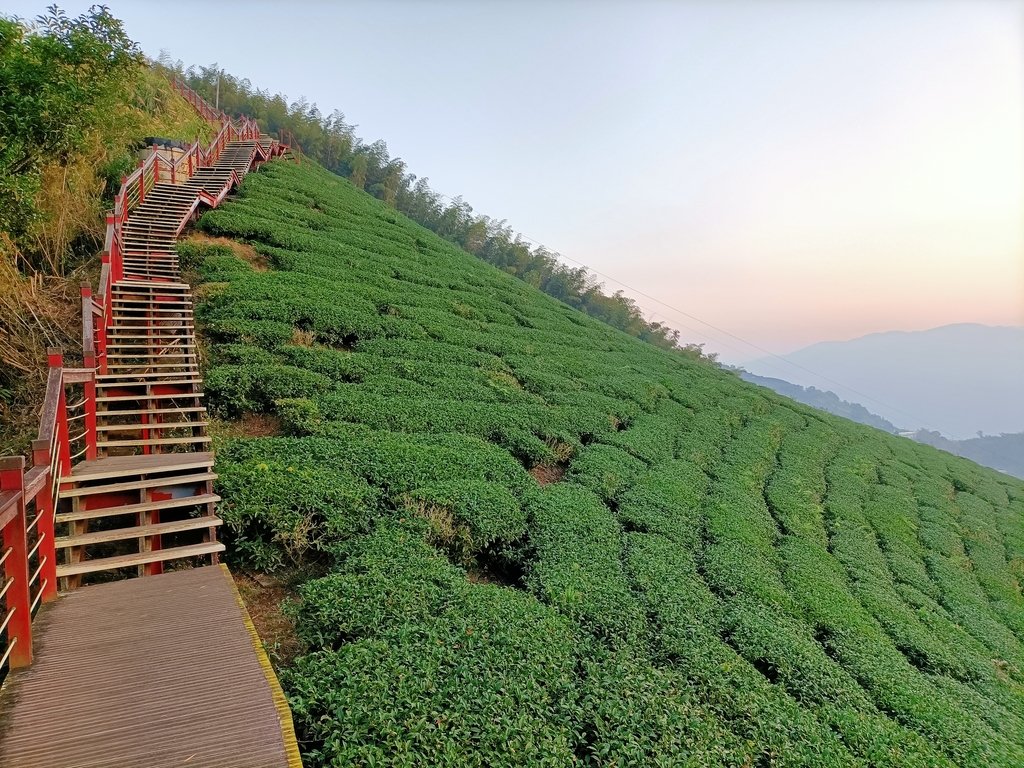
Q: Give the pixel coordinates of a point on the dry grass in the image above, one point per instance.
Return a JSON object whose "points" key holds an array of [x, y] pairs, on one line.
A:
{"points": [[249, 425], [301, 338], [35, 313], [264, 597], [246, 253], [444, 532]]}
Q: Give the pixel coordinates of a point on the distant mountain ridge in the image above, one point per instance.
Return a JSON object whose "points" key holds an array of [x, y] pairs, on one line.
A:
{"points": [[1003, 452], [957, 379], [825, 400]]}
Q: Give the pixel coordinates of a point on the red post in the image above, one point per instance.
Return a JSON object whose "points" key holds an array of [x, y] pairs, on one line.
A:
{"points": [[45, 526], [89, 361], [19, 597], [55, 359]]}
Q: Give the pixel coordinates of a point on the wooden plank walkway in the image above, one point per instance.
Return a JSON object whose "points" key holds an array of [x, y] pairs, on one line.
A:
{"points": [[147, 673]]}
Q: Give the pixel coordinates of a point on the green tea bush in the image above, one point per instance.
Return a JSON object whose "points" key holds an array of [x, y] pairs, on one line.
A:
{"points": [[544, 542]]}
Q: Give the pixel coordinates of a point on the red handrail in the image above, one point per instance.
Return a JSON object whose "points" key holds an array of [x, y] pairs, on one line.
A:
{"points": [[134, 188], [67, 426], [29, 555]]}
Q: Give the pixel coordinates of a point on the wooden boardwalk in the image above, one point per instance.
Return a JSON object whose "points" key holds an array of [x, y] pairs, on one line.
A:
{"points": [[147, 673]]}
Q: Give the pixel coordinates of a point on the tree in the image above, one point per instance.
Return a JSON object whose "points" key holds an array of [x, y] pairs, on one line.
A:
{"points": [[56, 78]]}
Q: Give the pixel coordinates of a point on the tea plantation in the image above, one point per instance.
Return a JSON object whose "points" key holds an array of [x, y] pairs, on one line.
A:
{"points": [[708, 575]]}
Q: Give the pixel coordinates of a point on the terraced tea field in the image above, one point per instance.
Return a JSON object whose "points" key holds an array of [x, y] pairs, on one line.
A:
{"points": [[708, 575]]}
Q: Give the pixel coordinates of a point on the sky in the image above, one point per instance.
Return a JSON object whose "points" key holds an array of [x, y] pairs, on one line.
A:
{"points": [[760, 174]]}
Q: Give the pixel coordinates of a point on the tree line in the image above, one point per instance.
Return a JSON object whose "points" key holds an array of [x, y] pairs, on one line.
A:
{"points": [[332, 142]]}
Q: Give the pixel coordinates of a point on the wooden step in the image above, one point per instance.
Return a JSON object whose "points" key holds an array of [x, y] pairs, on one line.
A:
{"points": [[119, 381], [139, 303], [182, 324], [156, 222], [148, 309], [147, 243], [124, 285], [152, 296], [198, 500], [138, 465], [121, 346], [137, 532], [126, 377], [155, 411], [153, 441], [139, 558], [153, 273], [180, 343], [126, 368], [132, 485], [136, 426], [148, 396], [164, 339], [151, 259], [140, 355]]}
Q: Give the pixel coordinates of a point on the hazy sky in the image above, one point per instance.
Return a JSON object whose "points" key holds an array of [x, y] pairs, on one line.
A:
{"points": [[787, 171]]}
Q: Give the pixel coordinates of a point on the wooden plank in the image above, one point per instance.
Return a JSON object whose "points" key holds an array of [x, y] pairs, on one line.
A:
{"points": [[48, 414], [138, 558], [156, 411], [199, 499], [136, 531], [152, 482], [160, 672], [155, 441], [78, 375], [35, 480], [8, 506], [134, 426], [115, 466], [147, 396]]}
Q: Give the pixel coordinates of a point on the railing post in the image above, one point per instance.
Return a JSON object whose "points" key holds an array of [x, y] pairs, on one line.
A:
{"points": [[100, 339], [19, 596], [89, 361], [55, 359], [45, 526]]}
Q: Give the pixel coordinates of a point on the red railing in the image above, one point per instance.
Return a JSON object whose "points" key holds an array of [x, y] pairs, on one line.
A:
{"points": [[67, 424], [28, 503], [155, 169]]}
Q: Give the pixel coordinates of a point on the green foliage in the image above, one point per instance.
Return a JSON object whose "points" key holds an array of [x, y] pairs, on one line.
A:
{"points": [[55, 79], [76, 101], [720, 577]]}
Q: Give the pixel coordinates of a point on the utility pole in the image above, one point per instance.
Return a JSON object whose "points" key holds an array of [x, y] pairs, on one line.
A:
{"points": [[216, 103]]}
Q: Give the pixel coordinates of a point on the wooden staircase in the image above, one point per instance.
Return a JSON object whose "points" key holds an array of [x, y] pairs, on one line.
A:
{"points": [[147, 498]]}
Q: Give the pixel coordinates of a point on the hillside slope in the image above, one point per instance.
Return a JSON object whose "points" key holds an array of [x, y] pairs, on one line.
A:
{"points": [[720, 576]]}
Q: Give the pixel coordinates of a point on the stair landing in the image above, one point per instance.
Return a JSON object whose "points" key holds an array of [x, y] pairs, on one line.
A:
{"points": [[155, 672]]}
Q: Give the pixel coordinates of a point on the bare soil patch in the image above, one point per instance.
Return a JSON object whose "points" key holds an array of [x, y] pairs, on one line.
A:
{"points": [[263, 597], [545, 474]]}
